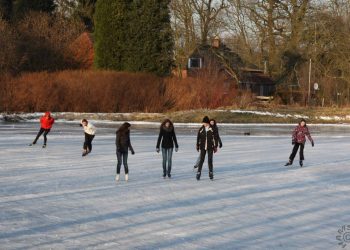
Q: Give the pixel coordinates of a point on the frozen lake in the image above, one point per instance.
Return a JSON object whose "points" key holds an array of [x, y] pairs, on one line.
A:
{"points": [[54, 199]]}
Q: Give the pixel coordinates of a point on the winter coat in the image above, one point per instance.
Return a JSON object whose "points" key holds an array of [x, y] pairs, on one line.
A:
{"points": [[206, 140], [123, 142], [216, 132], [167, 137], [46, 122], [89, 129], [300, 133]]}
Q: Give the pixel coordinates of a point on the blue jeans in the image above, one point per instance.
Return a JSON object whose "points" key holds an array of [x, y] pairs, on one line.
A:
{"points": [[167, 158], [122, 157]]}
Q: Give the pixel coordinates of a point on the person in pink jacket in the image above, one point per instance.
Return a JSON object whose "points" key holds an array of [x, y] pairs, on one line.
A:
{"points": [[298, 140]]}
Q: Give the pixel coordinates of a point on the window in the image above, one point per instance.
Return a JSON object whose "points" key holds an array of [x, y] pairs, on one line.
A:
{"points": [[195, 63]]}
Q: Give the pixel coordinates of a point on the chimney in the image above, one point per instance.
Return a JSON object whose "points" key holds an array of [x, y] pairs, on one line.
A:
{"points": [[216, 42]]}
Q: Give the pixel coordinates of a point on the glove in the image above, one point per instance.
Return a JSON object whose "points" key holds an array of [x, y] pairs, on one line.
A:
{"points": [[132, 152], [215, 149], [312, 143], [176, 149], [198, 148], [80, 125], [158, 150], [293, 142], [220, 145]]}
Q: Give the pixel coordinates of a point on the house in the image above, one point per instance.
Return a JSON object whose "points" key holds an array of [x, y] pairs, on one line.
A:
{"points": [[219, 59]]}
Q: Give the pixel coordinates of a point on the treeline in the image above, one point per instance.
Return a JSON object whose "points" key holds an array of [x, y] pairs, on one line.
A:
{"points": [[298, 43]]}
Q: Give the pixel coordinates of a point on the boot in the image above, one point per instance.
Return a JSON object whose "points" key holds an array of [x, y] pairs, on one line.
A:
{"points": [[126, 177], [44, 146], [301, 163], [288, 163], [117, 177], [198, 176], [84, 153], [211, 175]]}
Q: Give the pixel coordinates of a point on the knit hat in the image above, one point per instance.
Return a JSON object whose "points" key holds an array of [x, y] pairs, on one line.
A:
{"points": [[206, 119]]}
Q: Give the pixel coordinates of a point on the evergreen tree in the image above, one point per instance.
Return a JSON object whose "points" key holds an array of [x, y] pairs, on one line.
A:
{"points": [[142, 37], [6, 9], [111, 27]]}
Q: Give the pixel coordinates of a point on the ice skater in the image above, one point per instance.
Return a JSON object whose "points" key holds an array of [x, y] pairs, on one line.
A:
{"points": [[206, 143], [46, 122], [123, 145], [298, 140], [213, 124], [89, 131], [167, 137]]}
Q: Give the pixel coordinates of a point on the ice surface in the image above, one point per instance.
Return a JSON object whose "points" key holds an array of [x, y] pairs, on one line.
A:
{"points": [[54, 199]]}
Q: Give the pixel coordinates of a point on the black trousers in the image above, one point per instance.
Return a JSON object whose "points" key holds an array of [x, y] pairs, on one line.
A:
{"points": [[41, 131], [202, 158], [88, 141], [295, 150], [122, 157]]}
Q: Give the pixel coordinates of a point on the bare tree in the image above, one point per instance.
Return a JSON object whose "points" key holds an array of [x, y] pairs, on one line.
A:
{"points": [[208, 13]]}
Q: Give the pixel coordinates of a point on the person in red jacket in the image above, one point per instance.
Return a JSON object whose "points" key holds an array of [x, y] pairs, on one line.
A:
{"points": [[298, 140], [46, 122]]}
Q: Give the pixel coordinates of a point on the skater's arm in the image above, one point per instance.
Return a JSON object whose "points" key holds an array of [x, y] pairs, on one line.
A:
{"points": [[175, 140], [309, 136], [294, 135], [198, 140], [218, 137], [159, 138], [129, 145]]}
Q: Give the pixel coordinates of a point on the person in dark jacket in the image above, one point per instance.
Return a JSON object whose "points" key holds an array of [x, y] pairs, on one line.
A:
{"points": [[167, 137], [123, 145], [206, 143], [46, 122], [213, 124], [298, 140]]}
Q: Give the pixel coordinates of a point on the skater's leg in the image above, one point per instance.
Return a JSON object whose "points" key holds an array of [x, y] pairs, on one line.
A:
{"points": [[41, 131], [119, 164], [125, 162], [89, 146], [86, 141], [198, 160], [170, 156], [294, 152], [210, 163], [301, 152], [202, 158], [45, 134], [165, 156]]}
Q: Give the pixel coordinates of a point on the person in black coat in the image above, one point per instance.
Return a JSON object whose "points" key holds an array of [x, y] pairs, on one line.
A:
{"points": [[213, 124], [167, 137], [206, 143], [123, 145]]}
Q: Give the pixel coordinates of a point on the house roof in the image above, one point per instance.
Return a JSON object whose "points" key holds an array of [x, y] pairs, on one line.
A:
{"points": [[253, 76], [234, 64]]}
